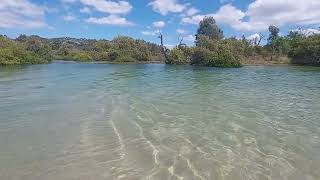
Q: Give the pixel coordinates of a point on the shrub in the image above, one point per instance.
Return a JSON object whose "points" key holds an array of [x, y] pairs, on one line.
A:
{"points": [[113, 55], [125, 58], [177, 56], [201, 56], [81, 56], [307, 51], [99, 56], [7, 57], [14, 53], [225, 58], [206, 42], [220, 58]]}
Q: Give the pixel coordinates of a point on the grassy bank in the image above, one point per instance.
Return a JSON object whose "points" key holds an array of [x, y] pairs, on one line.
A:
{"points": [[258, 60]]}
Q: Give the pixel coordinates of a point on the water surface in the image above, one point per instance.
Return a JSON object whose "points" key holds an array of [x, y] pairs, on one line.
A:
{"points": [[72, 121]]}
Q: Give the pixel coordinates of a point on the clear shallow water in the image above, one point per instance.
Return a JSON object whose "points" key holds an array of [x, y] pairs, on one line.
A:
{"points": [[96, 121]]}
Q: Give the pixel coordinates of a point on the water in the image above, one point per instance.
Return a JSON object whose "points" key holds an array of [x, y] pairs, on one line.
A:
{"points": [[97, 121]]}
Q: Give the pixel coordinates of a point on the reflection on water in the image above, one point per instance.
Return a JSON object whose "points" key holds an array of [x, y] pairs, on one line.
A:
{"points": [[95, 121]]}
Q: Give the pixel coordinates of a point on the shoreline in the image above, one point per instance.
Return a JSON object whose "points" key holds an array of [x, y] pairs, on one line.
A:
{"points": [[251, 63], [265, 63]]}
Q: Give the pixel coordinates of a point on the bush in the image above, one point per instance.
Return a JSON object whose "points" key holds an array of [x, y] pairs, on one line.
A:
{"points": [[12, 52], [220, 58], [307, 51], [81, 56], [142, 55], [113, 55], [206, 42], [125, 58], [100, 56], [225, 58], [34, 49], [177, 56], [7, 57], [201, 56], [235, 46], [133, 50]]}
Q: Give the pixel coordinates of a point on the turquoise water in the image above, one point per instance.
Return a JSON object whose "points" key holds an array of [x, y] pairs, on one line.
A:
{"points": [[98, 121]]}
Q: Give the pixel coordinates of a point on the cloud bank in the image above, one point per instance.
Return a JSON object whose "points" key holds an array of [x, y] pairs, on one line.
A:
{"points": [[22, 14], [262, 13]]}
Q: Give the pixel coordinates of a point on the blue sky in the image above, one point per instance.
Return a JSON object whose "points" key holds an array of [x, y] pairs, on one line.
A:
{"points": [[105, 19]]}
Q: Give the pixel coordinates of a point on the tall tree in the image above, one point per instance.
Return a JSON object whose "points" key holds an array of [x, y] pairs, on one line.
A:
{"points": [[272, 39], [274, 34], [209, 28]]}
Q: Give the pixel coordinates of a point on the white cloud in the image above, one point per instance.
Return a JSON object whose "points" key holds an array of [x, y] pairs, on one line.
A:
{"points": [[229, 14], [110, 20], [108, 6], [181, 31], [262, 13], [114, 9], [165, 7], [307, 32], [169, 46], [85, 10], [282, 12], [150, 33], [21, 13], [226, 14], [69, 18], [189, 38], [192, 11], [159, 24], [192, 19], [156, 24], [253, 37]]}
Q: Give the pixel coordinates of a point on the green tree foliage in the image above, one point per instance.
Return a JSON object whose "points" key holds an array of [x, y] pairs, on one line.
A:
{"points": [[211, 49], [178, 56], [207, 43], [220, 56], [306, 51], [34, 49], [12, 52], [81, 56], [273, 40], [294, 37], [209, 29], [274, 33], [37, 45], [120, 49], [277, 45]]}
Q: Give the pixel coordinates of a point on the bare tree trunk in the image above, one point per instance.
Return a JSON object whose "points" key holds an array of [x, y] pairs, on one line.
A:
{"points": [[261, 37], [163, 48], [161, 39], [180, 40], [272, 53]]}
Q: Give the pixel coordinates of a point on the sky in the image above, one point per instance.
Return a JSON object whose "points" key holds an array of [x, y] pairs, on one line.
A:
{"points": [[143, 19]]}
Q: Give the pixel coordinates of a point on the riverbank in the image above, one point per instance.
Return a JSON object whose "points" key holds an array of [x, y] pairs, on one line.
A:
{"points": [[248, 62], [125, 50], [137, 62], [283, 60], [244, 63]]}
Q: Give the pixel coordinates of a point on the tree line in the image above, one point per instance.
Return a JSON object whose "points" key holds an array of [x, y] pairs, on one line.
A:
{"points": [[211, 49], [35, 50]]}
